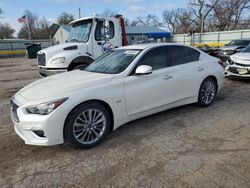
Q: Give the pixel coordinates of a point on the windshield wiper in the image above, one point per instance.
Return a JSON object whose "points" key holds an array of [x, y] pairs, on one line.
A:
{"points": [[74, 40]]}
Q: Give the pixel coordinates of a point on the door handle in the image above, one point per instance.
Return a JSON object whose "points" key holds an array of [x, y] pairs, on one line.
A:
{"points": [[200, 69], [167, 77]]}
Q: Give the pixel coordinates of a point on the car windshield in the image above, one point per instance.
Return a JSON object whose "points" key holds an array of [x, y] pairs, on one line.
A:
{"points": [[113, 62], [80, 31], [238, 42], [246, 50]]}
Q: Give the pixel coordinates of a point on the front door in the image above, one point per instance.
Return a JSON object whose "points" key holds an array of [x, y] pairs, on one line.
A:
{"points": [[100, 45], [147, 92]]}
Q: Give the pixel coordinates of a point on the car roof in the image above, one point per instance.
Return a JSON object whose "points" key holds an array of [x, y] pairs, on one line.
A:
{"points": [[149, 45], [248, 39]]}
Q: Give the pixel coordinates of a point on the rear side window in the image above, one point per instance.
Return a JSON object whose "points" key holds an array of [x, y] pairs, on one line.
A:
{"points": [[156, 58], [181, 54]]}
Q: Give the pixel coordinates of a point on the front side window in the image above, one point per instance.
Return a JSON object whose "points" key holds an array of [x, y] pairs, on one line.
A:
{"points": [[100, 33], [80, 31], [247, 49], [157, 58], [238, 42], [113, 62], [182, 54]]}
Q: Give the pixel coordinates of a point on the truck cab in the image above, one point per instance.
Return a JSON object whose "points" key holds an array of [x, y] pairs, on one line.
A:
{"points": [[89, 38]]}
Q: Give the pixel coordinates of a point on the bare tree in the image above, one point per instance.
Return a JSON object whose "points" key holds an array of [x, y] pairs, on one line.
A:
{"points": [[149, 20], [6, 31], [201, 10], [229, 15], [108, 13], [177, 20]]}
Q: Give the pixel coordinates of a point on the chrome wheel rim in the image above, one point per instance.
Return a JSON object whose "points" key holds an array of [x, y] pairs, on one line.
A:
{"points": [[207, 92], [89, 126]]}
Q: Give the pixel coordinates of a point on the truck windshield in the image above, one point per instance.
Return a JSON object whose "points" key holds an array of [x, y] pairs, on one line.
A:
{"points": [[246, 50], [80, 31], [113, 62]]}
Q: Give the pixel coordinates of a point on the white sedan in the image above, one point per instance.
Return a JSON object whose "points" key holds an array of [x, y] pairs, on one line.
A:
{"points": [[239, 65], [83, 106]]}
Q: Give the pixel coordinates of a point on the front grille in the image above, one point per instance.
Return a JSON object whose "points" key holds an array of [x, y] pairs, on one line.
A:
{"points": [[242, 65], [14, 108], [41, 58], [235, 70]]}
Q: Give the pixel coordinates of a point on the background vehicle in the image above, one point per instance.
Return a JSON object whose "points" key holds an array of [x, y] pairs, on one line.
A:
{"points": [[89, 38], [232, 47], [123, 85], [239, 64]]}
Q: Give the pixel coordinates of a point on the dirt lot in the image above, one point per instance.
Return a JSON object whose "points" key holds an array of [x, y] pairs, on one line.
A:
{"points": [[183, 147]]}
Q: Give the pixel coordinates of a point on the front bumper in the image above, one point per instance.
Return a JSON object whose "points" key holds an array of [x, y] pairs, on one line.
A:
{"points": [[29, 127], [236, 71], [44, 72]]}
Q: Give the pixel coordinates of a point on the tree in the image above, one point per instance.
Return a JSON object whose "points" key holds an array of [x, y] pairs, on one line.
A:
{"points": [[229, 15], [65, 18], [177, 20], [39, 28], [150, 20], [108, 13], [201, 10], [6, 31]]}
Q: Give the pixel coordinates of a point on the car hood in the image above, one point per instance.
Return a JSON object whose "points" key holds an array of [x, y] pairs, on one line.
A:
{"points": [[243, 58], [225, 48], [62, 83]]}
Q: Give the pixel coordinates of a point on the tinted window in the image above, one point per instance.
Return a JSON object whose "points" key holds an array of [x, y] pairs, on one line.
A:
{"points": [[182, 54], [156, 58], [238, 42], [99, 31], [247, 49]]}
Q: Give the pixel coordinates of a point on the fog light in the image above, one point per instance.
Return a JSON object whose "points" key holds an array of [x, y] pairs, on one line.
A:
{"points": [[40, 134]]}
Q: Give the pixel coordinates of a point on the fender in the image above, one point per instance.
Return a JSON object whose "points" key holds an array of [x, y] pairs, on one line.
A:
{"points": [[80, 60]]}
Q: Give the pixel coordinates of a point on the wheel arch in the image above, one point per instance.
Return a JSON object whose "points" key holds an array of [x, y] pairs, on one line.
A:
{"points": [[214, 79], [80, 60], [105, 104]]}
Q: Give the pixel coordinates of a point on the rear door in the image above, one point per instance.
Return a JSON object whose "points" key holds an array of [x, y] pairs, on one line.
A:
{"points": [[147, 92], [188, 71]]}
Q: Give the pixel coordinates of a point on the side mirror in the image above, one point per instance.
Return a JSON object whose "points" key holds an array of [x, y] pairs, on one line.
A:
{"points": [[143, 69], [106, 29]]}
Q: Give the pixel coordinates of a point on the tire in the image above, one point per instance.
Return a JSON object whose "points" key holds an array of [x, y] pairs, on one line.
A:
{"points": [[84, 132], [207, 92], [81, 66]]}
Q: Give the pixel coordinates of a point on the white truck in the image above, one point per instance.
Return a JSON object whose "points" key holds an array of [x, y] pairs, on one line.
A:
{"points": [[89, 38]]}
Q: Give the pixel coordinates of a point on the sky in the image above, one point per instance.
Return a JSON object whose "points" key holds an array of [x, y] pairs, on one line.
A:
{"points": [[51, 9]]}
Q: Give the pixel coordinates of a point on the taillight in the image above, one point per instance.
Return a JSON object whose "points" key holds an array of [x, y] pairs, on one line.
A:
{"points": [[221, 63]]}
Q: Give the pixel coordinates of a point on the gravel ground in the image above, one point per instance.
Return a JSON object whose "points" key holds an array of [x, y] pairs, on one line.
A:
{"points": [[187, 146]]}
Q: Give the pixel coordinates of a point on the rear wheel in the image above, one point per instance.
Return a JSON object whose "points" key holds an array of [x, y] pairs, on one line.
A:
{"points": [[207, 92], [87, 125]]}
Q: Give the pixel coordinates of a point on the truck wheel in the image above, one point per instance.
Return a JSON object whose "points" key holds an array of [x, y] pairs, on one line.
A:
{"points": [[81, 66]]}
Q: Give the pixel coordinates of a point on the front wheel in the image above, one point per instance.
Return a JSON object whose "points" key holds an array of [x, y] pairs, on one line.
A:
{"points": [[207, 92], [88, 125]]}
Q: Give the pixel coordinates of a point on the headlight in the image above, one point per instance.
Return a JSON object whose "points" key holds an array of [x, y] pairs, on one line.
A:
{"points": [[45, 108], [59, 60]]}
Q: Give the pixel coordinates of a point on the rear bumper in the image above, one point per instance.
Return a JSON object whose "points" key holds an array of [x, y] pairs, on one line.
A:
{"points": [[44, 72]]}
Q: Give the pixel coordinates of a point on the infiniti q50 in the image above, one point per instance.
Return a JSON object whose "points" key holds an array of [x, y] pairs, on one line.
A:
{"points": [[81, 107]]}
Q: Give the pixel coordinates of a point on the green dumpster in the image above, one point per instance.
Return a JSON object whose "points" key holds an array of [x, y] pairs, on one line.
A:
{"points": [[32, 49]]}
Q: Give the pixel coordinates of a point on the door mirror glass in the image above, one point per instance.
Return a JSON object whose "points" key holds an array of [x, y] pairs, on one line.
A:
{"points": [[143, 69], [106, 29]]}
